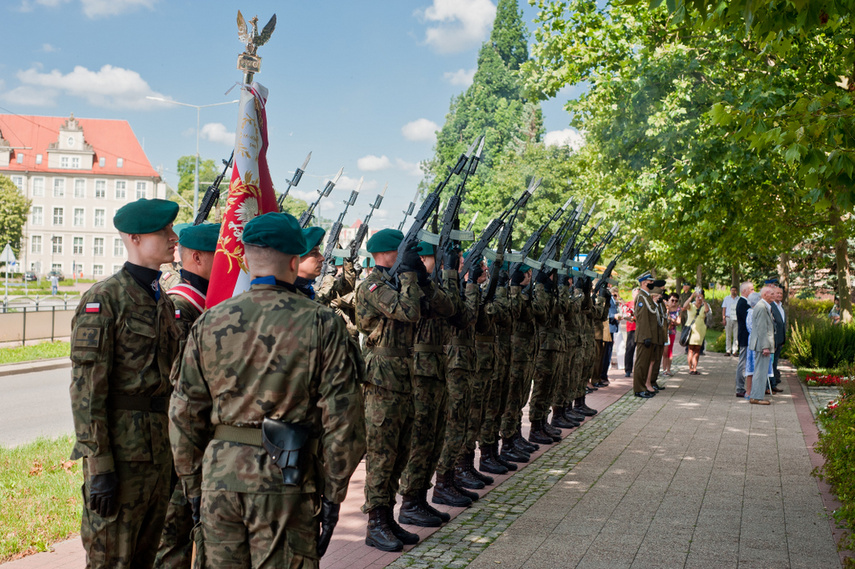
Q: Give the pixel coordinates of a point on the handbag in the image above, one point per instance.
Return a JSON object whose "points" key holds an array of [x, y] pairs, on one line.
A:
{"points": [[686, 332]]}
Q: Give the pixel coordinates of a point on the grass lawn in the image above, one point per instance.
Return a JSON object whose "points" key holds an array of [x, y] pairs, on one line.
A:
{"points": [[40, 493], [45, 350], [712, 340]]}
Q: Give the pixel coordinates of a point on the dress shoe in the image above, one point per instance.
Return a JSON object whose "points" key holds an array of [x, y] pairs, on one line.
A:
{"points": [[759, 402], [777, 390], [768, 392], [658, 387], [379, 534], [627, 375], [605, 381], [643, 394], [589, 390], [740, 394], [415, 514]]}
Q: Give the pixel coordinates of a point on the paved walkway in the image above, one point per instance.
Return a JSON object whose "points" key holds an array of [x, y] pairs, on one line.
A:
{"points": [[694, 477]]}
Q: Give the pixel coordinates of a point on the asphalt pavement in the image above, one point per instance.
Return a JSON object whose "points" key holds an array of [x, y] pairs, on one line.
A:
{"points": [[35, 401]]}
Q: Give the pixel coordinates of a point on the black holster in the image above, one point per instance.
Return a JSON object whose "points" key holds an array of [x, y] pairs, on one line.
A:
{"points": [[285, 443]]}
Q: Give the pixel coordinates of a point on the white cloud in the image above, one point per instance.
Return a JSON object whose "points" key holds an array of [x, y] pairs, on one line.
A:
{"points": [[110, 87], [411, 168], [102, 8], [420, 129], [217, 132], [569, 137], [26, 95], [373, 163], [348, 183], [457, 25], [48, 48], [460, 77]]}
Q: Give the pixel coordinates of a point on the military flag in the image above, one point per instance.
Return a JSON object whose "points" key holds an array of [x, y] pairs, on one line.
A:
{"points": [[250, 194]]}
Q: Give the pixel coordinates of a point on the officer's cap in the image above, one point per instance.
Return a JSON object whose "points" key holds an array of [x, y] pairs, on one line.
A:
{"points": [[313, 236], [279, 231], [384, 240], [426, 249], [200, 237], [145, 216], [659, 283], [645, 277]]}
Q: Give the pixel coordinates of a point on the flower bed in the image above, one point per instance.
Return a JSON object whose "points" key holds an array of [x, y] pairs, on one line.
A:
{"points": [[825, 380]]}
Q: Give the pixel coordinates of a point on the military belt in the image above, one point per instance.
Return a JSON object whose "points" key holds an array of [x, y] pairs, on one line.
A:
{"points": [[428, 348], [392, 352], [250, 436], [139, 403], [463, 342], [485, 339]]}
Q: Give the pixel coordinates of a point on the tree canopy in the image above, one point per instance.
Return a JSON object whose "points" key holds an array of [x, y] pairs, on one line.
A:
{"points": [[14, 208]]}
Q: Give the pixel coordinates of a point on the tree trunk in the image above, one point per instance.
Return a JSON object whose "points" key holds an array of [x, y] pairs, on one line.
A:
{"points": [[734, 277], [679, 283], [699, 276], [841, 254], [784, 276]]}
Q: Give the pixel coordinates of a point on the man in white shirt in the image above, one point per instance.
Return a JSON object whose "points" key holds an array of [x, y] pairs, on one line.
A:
{"points": [[731, 325]]}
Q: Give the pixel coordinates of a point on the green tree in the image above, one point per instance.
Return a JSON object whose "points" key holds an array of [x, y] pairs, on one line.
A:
{"points": [[14, 208], [294, 206], [208, 172]]}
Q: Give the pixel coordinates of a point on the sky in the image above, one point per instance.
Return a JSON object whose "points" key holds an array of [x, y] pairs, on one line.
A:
{"points": [[362, 85]]}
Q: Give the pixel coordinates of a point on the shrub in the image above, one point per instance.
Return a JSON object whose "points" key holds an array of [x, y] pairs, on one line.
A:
{"points": [[819, 344]]}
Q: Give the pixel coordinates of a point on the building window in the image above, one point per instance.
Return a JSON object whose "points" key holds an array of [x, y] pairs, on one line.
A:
{"points": [[75, 162], [78, 268], [63, 162], [19, 182], [97, 270], [118, 247], [121, 189], [120, 162], [35, 244], [38, 215], [20, 157], [100, 214], [57, 244], [58, 216], [38, 187], [78, 217], [116, 268], [98, 246], [80, 188], [100, 189], [56, 266], [78, 246], [102, 161], [141, 190], [59, 187]]}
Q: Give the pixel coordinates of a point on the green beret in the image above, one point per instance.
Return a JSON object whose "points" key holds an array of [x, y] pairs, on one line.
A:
{"points": [[338, 261], [145, 216], [279, 231], [368, 262], [524, 268], [384, 240], [426, 249], [179, 227], [202, 237], [313, 236]]}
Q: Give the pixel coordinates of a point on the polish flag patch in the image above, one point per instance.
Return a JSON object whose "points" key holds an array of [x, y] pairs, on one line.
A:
{"points": [[177, 313], [93, 307], [372, 286]]}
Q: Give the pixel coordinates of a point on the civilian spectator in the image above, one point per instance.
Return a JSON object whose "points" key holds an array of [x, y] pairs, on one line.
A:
{"points": [[673, 306], [731, 326], [629, 317], [833, 315], [696, 310], [780, 320], [762, 343], [742, 335]]}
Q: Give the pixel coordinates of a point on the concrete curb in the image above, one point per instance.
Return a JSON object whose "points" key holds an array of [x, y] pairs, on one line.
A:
{"points": [[38, 365]]}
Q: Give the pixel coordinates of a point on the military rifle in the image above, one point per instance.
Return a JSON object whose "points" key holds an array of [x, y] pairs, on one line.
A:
{"points": [[409, 211], [353, 253], [295, 179], [546, 261], [594, 255], [534, 239], [212, 194], [606, 276], [569, 248], [330, 249], [476, 252], [306, 217]]}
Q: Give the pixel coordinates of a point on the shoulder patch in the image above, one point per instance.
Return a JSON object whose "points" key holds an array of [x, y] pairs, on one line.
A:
{"points": [[372, 286], [177, 313], [93, 307], [87, 337]]}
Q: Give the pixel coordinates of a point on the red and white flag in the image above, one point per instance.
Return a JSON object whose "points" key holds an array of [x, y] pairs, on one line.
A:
{"points": [[250, 194]]}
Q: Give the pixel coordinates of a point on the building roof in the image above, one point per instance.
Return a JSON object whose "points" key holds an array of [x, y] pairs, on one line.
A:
{"points": [[110, 139]]}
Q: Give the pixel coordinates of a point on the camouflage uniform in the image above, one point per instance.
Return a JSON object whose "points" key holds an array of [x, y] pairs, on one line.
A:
{"points": [[498, 383], [170, 275], [576, 332], [176, 546], [268, 352], [522, 355], [550, 344], [388, 319], [480, 378], [339, 293], [429, 392], [123, 343], [569, 334], [601, 335]]}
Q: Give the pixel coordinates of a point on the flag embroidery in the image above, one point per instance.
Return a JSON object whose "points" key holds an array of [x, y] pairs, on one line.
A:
{"points": [[93, 307], [372, 286], [177, 313]]}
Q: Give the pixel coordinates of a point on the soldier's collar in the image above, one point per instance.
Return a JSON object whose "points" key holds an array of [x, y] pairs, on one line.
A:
{"points": [[194, 280], [147, 278], [271, 280]]}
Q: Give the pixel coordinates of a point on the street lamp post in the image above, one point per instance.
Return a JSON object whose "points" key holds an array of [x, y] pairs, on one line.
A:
{"points": [[196, 170]]}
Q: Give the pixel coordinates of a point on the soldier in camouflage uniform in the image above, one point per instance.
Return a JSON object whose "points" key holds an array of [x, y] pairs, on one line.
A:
{"points": [[264, 371], [598, 314], [429, 397], [196, 246], [311, 264], [563, 416], [388, 317], [124, 340], [577, 330]]}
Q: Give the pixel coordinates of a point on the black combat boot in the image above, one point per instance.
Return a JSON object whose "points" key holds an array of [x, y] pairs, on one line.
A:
{"points": [[414, 513], [573, 414], [379, 533], [443, 516], [538, 435], [522, 444], [511, 452], [551, 431], [407, 538], [445, 492], [464, 478], [470, 467], [582, 407], [561, 421], [489, 463], [467, 493], [494, 452]]}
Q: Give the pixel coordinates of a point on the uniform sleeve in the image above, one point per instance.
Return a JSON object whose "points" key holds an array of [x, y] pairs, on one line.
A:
{"points": [[503, 314], [330, 288], [541, 304], [467, 312], [92, 339], [343, 439], [190, 428], [442, 299], [403, 305]]}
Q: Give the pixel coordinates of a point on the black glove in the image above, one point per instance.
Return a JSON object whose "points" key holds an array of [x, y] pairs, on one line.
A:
{"points": [[451, 261], [503, 279], [410, 260], [517, 278], [475, 274], [579, 282], [329, 519], [424, 278], [104, 494], [196, 509], [543, 277], [647, 342], [605, 292]]}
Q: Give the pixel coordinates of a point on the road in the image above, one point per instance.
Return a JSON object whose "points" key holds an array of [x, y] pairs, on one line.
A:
{"points": [[35, 404]]}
